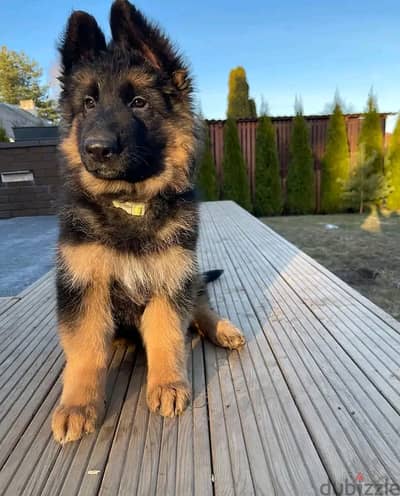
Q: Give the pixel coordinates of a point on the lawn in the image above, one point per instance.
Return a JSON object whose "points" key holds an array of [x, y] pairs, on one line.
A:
{"points": [[363, 250]]}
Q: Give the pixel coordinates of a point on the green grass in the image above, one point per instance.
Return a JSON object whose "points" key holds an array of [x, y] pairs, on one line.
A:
{"points": [[363, 251]]}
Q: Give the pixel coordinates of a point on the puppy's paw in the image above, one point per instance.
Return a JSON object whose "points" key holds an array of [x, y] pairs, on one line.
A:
{"points": [[70, 423], [229, 336], [168, 399]]}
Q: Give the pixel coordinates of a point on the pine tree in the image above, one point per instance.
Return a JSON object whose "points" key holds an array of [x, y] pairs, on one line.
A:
{"points": [[207, 178], [392, 169], [335, 164], [236, 183], [300, 179], [240, 106], [371, 135], [268, 194], [366, 186]]}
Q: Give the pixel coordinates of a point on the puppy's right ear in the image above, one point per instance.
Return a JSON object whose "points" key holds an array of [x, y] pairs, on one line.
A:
{"points": [[83, 40]]}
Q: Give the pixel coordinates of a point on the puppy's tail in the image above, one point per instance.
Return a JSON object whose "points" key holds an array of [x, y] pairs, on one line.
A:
{"points": [[212, 275]]}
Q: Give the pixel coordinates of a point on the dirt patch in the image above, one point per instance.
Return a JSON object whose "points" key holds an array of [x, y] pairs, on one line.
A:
{"points": [[363, 250]]}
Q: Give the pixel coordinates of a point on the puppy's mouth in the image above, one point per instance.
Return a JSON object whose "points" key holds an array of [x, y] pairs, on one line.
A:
{"points": [[133, 172], [104, 170]]}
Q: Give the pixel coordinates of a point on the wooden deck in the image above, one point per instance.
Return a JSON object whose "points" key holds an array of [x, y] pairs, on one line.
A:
{"points": [[312, 401]]}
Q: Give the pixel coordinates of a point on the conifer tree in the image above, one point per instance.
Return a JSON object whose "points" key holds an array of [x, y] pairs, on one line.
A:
{"points": [[268, 193], [392, 168], [371, 135], [300, 179], [207, 177], [366, 186], [335, 164], [236, 182], [253, 108], [3, 135], [240, 106]]}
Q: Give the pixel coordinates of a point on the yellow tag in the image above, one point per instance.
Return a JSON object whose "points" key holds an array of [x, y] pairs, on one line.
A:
{"points": [[131, 208]]}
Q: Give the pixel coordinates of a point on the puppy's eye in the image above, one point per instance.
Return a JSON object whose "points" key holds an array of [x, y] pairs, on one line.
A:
{"points": [[89, 102], [138, 102]]}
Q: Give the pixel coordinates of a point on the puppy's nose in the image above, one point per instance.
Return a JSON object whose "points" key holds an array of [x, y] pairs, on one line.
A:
{"points": [[101, 149]]}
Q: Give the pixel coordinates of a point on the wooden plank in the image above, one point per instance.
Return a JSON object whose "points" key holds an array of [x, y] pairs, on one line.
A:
{"points": [[203, 469], [7, 302], [312, 399], [363, 431], [112, 474], [363, 335], [77, 474], [285, 458]]}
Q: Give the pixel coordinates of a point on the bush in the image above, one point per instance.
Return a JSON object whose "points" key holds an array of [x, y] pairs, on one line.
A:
{"points": [[236, 183], [335, 164], [268, 194], [300, 179], [207, 178], [392, 168]]}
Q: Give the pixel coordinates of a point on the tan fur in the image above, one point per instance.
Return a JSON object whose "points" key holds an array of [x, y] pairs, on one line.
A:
{"points": [[93, 185], [86, 344], [163, 273], [175, 174], [163, 336], [140, 78], [220, 331]]}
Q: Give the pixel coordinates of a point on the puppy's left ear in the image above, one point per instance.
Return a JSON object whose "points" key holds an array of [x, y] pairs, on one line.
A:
{"points": [[131, 30]]}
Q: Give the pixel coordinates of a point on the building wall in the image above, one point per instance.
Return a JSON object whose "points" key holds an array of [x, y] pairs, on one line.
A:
{"points": [[29, 198]]}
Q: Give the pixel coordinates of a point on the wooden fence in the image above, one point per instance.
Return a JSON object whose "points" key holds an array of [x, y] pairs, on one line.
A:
{"points": [[318, 125]]}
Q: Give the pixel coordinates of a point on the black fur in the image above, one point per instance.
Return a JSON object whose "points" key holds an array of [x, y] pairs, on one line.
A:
{"points": [[99, 85]]}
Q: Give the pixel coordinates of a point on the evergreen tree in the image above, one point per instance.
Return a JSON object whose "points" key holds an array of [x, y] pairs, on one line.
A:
{"points": [[335, 164], [207, 177], [392, 169], [240, 106], [253, 108], [236, 183], [268, 194], [300, 179], [366, 186], [3, 135], [371, 135]]}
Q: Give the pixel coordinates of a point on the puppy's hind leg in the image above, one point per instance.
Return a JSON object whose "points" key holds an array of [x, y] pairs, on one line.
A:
{"points": [[218, 330]]}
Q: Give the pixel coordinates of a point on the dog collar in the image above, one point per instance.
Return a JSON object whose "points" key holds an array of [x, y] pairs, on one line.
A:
{"points": [[132, 208]]}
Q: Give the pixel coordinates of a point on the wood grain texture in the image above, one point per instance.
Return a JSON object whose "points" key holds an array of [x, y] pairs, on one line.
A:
{"points": [[312, 399]]}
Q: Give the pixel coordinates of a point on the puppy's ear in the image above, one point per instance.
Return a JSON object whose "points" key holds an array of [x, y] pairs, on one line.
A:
{"points": [[83, 40], [131, 30]]}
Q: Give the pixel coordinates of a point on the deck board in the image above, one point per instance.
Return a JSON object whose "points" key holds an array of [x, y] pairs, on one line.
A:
{"points": [[312, 399]]}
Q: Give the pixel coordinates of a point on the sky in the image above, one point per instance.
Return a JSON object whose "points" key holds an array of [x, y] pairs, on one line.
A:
{"points": [[288, 47]]}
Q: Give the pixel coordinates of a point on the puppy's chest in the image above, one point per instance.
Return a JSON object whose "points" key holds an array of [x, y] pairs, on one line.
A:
{"points": [[162, 273]]}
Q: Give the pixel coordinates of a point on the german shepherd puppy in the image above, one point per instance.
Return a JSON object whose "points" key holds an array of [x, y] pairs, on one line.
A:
{"points": [[126, 257]]}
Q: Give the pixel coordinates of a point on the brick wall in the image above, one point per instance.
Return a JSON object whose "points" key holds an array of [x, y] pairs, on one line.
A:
{"points": [[29, 198]]}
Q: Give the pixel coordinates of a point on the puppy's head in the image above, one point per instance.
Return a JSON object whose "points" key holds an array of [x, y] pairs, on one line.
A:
{"points": [[127, 109]]}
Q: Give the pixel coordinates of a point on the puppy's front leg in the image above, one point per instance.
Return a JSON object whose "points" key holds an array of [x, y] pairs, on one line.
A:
{"points": [[163, 332], [86, 332]]}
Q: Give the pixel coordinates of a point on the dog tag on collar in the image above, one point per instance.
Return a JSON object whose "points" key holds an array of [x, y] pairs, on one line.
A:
{"points": [[131, 208]]}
